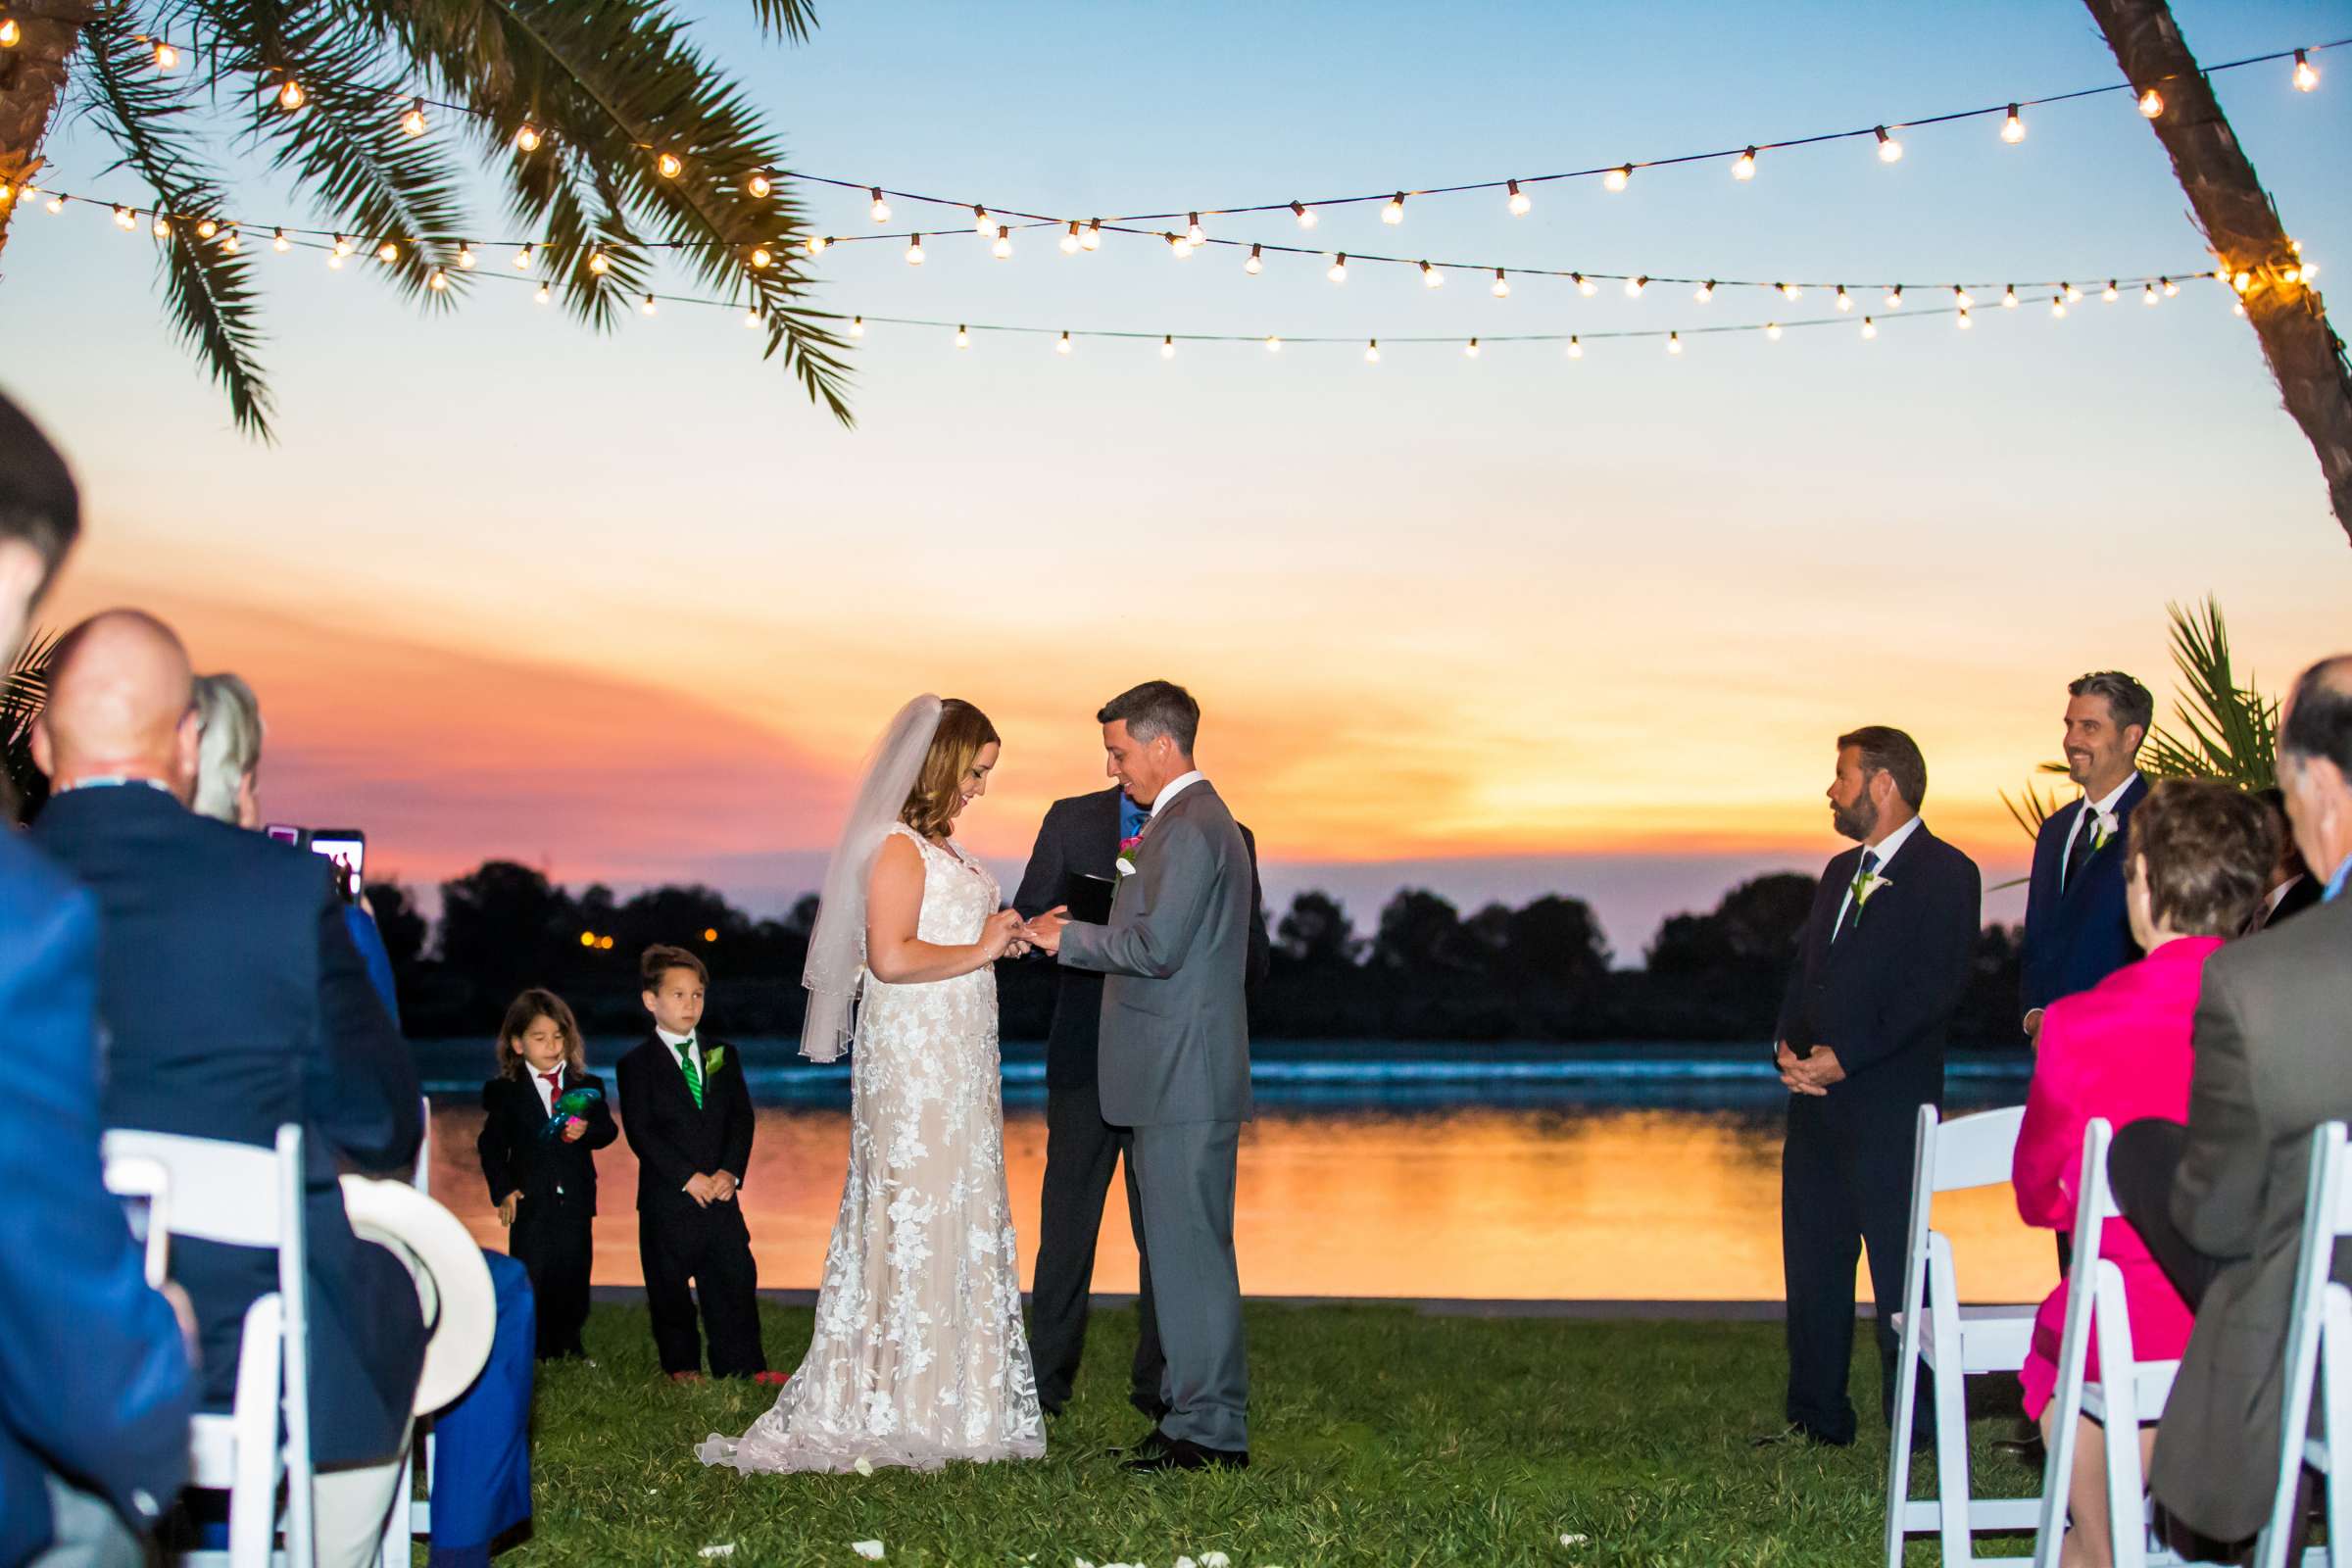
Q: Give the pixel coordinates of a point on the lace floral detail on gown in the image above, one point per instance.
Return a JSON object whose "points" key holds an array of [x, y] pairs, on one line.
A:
{"points": [[918, 1355]]}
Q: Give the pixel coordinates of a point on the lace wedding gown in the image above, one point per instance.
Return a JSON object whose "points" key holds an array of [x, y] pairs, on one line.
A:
{"points": [[918, 1355]]}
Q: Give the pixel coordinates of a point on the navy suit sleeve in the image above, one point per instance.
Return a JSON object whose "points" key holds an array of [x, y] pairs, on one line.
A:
{"points": [[1918, 1004], [94, 1376], [363, 1091], [1041, 880], [1261, 947]]}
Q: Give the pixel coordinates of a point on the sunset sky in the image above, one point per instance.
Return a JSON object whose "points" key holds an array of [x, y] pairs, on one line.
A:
{"points": [[630, 608]]}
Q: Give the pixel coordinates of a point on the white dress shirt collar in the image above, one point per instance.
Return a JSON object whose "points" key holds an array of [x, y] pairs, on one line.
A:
{"points": [[1894, 841], [1175, 787], [678, 1045], [547, 1095], [2106, 805]]}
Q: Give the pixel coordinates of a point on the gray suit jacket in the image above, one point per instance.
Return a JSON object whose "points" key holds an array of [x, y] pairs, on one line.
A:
{"points": [[1175, 1043], [2274, 1060]]}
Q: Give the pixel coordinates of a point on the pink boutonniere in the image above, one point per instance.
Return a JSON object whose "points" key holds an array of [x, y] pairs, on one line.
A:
{"points": [[1129, 852]]}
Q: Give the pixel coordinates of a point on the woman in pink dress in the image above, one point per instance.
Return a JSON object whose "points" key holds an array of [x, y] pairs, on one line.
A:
{"points": [[2198, 852]]}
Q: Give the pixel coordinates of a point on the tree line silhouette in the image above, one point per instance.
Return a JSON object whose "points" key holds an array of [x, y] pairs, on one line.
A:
{"points": [[1424, 971]]}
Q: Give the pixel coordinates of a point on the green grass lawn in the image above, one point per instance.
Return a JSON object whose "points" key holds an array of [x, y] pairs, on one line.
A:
{"points": [[1378, 1436]]}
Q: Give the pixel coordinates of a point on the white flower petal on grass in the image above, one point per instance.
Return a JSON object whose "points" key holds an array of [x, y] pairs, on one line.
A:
{"points": [[1215, 1559], [863, 1466], [1186, 1562], [1080, 1562], [1574, 1540], [872, 1550], [722, 1549]]}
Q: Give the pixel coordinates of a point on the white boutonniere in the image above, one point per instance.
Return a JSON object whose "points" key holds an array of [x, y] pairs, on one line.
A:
{"points": [[2104, 826], [1130, 850], [1866, 887]]}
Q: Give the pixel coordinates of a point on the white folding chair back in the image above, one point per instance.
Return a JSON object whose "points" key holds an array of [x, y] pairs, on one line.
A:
{"points": [[134, 1176], [2319, 1350], [1952, 1341], [242, 1196]]}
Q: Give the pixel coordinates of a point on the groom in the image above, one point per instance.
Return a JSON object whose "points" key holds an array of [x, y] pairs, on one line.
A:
{"points": [[1174, 1061]]}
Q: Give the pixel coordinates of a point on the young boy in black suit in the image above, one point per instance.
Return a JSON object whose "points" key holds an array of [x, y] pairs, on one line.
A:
{"points": [[543, 1118], [688, 1113]]}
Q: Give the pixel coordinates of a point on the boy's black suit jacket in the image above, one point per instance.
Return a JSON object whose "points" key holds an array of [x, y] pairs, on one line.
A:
{"points": [[676, 1140], [518, 1155]]}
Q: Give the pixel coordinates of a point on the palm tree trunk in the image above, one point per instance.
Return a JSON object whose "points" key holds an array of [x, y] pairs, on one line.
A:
{"points": [[2242, 225], [32, 82]]}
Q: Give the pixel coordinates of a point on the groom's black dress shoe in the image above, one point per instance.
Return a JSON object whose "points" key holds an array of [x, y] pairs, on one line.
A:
{"points": [[1175, 1454]]}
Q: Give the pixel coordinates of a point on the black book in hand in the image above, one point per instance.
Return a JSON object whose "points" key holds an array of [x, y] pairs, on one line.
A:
{"points": [[1088, 896]]}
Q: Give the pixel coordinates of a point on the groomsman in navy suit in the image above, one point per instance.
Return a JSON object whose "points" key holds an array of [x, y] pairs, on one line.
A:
{"points": [[2077, 933], [1862, 1034]]}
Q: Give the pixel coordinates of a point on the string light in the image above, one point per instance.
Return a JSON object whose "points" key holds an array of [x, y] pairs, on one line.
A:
{"points": [[1092, 239], [541, 295], [1273, 344], [2013, 129], [1745, 166], [1707, 291], [647, 305], [1431, 278], [2074, 295], [1674, 342], [412, 123], [163, 231], [1168, 346], [1619, 177], [1635, 285], [1789, 291], [1576, 347], [2170, 287], [1585, 285], [1304, 214], [1962, 320], [1394, 213], [1178, 247], [124, 219], [1501, 287], [1002, 250], [1894, 298], [880, 210], [334, 261], [1372, 351], [526, 137], [8, 193], [205, 228], [816, 244], [750, 319], [2149, 296], [669, 166], [465, 256], [1191, 232], [1889, 150], [290, 97], [279, 241], [758, 186], [229, 243], [2009, 298], [1772, 330], [1519, 203], [1338, 272], [2058, 306], [1844, 303], [2151, 103], [388, 253], [2110, 292], [964, 337], [1470, 350], [1070, 241], [1961, 297], [1256, 263], [982, 225], [762, 256], [10, 33], [437, 279], [166, 58], [522, 259], [914, 251], [1063, 347], [343, 247], [598, 264], [2306, 76], [1870, 328], [856, 326]]}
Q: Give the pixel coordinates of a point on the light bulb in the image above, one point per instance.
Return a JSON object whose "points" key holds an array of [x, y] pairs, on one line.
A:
{"points": [[1256, 263], [1844, 303], [1501, 288], [229, 241], [2013, 129], [465, 256], [2009, 298], [2241, 282], [2238, 310], [162, 229], [1576, 347], [1339, 268], [1002, 250], [1394, 212], [1063, 347], [1372, 351], [2170, 287], [964, 337], [1617, 179], [1743, 167], [522, 260], [816, 244], [2058, 305], [880, 210], [1167, 347], [762, 256], [750, 319], [526, 138], [2151, 103], [1273, 344], [669, 166], [123, 220], [1674, 342], [279, 241], [1178, 246], [914, 251], [1889, 150], [1470, 350], [437, 278], [1870, 328], [758, 186], [982, 225], [1069, 241], [2074, 295], [1305, 214], [1092, 239], [1894, 298], [1431, 278], [388, 253], [1789, 291], [412, 121], [1192, 231], [1705, 291], [647, 305], [1772, 330], [598, 263], [10, 33], [334, 261], [2306, 75], [342, 246], [856, 326], [205, 228], [166, 58], [290, 95], [2149, 296], [1635, 285], [1519, 202], [1961, 297], [2311, 270], [1963, 321], [2110, 292], [541, 295]]}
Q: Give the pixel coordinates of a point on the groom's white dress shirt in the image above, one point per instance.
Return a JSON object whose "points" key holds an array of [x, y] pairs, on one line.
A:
{"points": [[1176, 786], [1885, 850]]}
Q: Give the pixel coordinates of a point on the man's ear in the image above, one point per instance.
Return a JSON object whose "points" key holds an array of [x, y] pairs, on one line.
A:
{"points": [[44, 749]]}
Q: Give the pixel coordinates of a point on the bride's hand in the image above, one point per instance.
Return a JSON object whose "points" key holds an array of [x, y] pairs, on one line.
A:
{"points": [[1003, 928]]}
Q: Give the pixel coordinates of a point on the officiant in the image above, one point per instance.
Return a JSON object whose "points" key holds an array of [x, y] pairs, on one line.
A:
{"points": [[1076, 863]]}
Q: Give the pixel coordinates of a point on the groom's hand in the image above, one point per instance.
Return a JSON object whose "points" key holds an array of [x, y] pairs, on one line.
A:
{"points": [[1045, 932], [1795, 1073]]}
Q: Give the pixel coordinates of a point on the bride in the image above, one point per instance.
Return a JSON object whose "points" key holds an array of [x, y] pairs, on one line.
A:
{"points": [[918, 1355]]}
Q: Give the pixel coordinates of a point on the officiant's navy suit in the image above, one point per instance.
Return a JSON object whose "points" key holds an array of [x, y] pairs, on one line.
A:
{"points": [[1881, 993], [1080, 838], [2077, 932], [233, 1000]]}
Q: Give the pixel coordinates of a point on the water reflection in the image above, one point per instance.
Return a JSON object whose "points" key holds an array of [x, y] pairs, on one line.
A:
{"points": [[1543, 1196]]}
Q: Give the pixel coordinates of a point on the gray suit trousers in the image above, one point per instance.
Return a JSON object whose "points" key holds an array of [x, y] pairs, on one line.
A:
{"points": [[1185, 1173]]}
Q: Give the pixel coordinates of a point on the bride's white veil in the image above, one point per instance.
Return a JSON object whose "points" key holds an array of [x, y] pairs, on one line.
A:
{"points": [[836, 973]]}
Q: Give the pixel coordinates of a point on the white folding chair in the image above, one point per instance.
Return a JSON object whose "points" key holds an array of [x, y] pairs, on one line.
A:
{"points": [[2318, 1348], [240, 1196], [1952, 1341]]}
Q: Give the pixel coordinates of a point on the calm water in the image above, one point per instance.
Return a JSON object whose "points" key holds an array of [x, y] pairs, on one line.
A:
{"points": [[1636, 1172]]}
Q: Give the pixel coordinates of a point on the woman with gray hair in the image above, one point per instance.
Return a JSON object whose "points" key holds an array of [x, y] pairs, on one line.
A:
{"points": [[229, 756]]}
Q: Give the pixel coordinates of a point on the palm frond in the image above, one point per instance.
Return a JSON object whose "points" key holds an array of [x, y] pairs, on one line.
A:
{"points": [[793, 19], [23, 692], [2223, 731], [2032, 807], [209, 291]]}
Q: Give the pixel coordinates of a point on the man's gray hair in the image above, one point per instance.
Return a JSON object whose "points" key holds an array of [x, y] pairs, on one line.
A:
{"points": [[1154, 708], [2127, 700], [232, 747]]}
